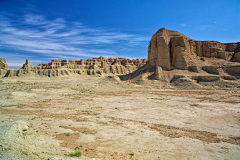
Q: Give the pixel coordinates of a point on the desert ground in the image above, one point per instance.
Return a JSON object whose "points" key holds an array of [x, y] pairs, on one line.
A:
{"points": [[105, 118]]}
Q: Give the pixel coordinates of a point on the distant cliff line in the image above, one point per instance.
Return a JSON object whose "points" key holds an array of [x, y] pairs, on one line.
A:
{"points": [[101, 62]]}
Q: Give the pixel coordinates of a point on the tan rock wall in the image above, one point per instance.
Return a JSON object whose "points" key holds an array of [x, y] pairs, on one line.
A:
{"points": [[180, 50], [159, 50]]}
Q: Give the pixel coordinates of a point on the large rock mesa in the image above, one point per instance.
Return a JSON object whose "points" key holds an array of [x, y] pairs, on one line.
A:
{"points": [[173, 50]]}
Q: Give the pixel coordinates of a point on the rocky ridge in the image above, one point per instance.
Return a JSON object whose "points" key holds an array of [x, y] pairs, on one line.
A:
{"points": [[101, 62], [68, 70]]}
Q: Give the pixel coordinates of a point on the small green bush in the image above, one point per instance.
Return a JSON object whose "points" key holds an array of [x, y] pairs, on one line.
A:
{"points": [[71, 154], [77, 154]]}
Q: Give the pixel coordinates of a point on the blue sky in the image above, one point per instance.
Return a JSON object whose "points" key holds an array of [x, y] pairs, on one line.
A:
{"points": [[41, 30]]}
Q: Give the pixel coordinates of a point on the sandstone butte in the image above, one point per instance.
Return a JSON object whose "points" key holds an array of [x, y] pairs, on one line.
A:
{"points": [[169, 52]]}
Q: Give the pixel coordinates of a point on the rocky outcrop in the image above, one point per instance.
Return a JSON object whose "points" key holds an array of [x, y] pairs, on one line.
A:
{"points": [[101, 62], [3, 64], [159, 74], [210, 69], [236, 55], [27, 66], [173, 50], [161, 50], [233, 70]]}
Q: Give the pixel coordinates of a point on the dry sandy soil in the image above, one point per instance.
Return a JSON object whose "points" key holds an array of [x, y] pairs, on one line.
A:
{"points": [[108, 119]]}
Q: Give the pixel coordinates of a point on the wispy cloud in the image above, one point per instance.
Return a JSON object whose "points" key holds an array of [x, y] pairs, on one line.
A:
{"points": [[37, 34], [183, 25], [202, 27]]}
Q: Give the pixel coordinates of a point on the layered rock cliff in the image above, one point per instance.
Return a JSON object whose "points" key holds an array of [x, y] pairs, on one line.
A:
{"points": [[101, 62]]}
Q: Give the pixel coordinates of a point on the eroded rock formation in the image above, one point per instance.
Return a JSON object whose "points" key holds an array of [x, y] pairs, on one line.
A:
{"points": [[68, 71], [56, 63], [189, 64], [27, 66], [101, 62]]}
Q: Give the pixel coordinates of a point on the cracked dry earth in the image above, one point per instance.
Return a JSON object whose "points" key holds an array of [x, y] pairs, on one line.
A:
{"points": [[118, 120]]}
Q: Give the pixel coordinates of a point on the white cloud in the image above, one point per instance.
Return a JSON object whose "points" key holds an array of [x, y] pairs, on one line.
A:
{"points": [[202, 27], [59, 38], [183, 25], [34, 19], [13, 64]]}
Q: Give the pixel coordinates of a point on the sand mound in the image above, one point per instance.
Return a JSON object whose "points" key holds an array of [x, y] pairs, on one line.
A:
{"points": [[114, 78]]}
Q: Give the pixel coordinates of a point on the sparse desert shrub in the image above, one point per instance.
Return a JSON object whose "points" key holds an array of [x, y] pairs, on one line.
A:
{"points": [[77, 154], [71, 154]]}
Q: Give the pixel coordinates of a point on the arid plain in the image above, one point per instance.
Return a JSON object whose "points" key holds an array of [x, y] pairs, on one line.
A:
{"points": [[106, 118]]}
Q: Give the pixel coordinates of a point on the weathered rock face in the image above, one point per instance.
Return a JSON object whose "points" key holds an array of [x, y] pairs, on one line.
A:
{"points": [[3, 64], [180, 52], [171, 49], [159, 50], [233, 70], [208, 49]]}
